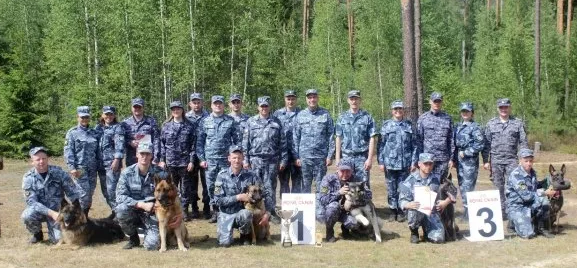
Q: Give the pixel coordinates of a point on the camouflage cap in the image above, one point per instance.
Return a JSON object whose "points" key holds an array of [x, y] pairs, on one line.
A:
{"points": [[397, 104], [234, 149], [345, 165], [216, 98], [176, 104], [525, 153], [426, 158], [264, 101], [503, 102], [290, 93], [354, 93], [234, 97], [109, 109], [83, 111], [137, 102], [144, 147], [35, 150], [311, 91], [436, 96], [196, 96], [467, 106]]}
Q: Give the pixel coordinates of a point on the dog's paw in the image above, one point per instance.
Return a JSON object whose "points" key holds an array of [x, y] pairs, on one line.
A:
{"points": [[162, 250], [183, 249]]}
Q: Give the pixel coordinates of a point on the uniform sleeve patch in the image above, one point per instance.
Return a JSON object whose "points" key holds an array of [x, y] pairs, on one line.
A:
{"points": [[325, 190], [522, 186], [27, 193]]}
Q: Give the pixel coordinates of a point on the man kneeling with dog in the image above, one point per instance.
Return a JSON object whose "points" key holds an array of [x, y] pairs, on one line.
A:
{"points": [[44, 188], [230, 197]]}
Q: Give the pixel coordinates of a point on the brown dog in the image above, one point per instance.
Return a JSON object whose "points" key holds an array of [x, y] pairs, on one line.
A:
{"points": [[556, 181], [256, 206], [167, 207]]}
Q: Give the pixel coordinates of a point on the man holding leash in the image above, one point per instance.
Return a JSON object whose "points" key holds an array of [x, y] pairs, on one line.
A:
{"points": [[229, 197], [44, 188]]}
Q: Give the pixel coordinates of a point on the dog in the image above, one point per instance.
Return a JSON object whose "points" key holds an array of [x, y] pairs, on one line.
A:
{"points": [[256, 206], [167, 206], [362, 209], [556, 182], [448, 189], [77, 230]]}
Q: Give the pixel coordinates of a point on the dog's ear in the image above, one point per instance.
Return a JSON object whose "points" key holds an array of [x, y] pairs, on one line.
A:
{"points": [[245, 189], [76, 202], [157, 179], [563, 169], [63, 203], [551, 170], [168, 178]]}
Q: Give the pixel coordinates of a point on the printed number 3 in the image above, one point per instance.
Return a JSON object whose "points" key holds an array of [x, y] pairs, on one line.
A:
{"points": [[300, 225], [489, 221]]}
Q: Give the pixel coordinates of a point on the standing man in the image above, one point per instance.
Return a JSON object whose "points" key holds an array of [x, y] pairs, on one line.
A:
{"points": [[195, 115], [356, 136], [504, 136], [291, 172], [435, 136], [137, 127], [216, 133], [265, 149], [312, 138], [397, 155], [44, 188], [235, 106]]}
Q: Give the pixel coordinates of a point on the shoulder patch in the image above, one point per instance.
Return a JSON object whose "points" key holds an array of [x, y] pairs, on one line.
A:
{"points": [[27, 193], [217, 187], [325, 190], [522, 186]]}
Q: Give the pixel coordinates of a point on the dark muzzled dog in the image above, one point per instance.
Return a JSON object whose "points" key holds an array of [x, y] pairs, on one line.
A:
{"points": [[77, 230], [167, 206], [256, 206], [556, 182], [448, 189], [361, 208]]}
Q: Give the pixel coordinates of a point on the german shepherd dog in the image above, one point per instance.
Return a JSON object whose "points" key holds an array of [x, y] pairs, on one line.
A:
{"points": [[167, 207], [448, 189], [256, 206], [362, 209], [77, 230], [556, 181]]}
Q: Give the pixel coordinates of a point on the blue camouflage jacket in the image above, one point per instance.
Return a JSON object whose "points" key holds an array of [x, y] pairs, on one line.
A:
{"points": [[330, 186], [503, 140], [313, 134], [133, 188], [111, 143], [287, 119], [407, 187], [136, 130], [81, 149], [43, 195], [264, 138], [397, 147], [195, 118], [177, 142], [522, 188], [215, 136], [435, 135], [355, 131], [468, 139], [227, 186]]}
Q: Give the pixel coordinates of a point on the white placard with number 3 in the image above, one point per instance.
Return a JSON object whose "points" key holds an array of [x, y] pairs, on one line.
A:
{"points": [[485, 217]]}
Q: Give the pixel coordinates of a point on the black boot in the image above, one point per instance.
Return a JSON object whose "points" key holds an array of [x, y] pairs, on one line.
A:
{"points": [[36, 238], [86, 212], [542, 229], [401, 216], [112, 216], [393, 216], [186, 213], [330, 235], [134, 241], [414, 235], [274, 218], [346, 232], [206, 212], [511, 228]]}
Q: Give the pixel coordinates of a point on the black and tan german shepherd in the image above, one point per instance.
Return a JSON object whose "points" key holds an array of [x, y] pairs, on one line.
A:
{"points": [[256, 206], [77, 230], [556, 181], [448, 189]]}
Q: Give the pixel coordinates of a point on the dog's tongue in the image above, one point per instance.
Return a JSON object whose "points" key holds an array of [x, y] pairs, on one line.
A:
{"points": [[66, 224]]}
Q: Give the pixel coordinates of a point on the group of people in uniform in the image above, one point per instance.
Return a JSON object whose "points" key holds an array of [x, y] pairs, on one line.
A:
{"points": [[227, 152]]}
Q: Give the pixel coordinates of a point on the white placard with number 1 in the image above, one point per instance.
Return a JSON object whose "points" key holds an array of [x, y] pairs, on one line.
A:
{"points": [[303, 227], [485, 217]]}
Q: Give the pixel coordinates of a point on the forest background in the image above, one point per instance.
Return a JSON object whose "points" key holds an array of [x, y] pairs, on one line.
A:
{"points": [[56, 55]]}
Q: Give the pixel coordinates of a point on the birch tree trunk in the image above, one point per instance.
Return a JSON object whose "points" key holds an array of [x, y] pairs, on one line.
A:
{"points": [[192, 7], [232, 59], [380, 77], [129, 50], [305, 33], [537, 50], [418, 79], [164, 67], [560, 13], [96, 61], [409, 59], [88, 43], [568, 57]]}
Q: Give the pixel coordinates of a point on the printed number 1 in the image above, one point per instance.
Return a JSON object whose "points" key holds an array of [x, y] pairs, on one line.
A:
{"points": [[489, 221], [300, 225]]}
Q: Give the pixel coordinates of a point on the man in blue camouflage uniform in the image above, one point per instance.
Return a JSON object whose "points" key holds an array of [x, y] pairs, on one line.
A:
{"points": [[291, 173], [195, 115], [527, 200], [356, 135], [265, 149], [235, 105], [44, 188], [432, 225], [504, 135], [397, 155], [137, 127], [135, 199], [111, 146], [312, 141], [230, 197], [177, 141], [332, 190], [216, 133], [469, 142], [435, 136], [82, 155]]}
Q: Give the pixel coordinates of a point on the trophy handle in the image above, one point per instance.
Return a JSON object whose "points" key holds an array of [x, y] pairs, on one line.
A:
{"points": [[295, 212]]}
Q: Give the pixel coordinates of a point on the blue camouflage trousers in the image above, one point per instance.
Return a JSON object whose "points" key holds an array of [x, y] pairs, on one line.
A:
{"points": [[359, 167], [333, 213], [214, 167], [131, 218], [108, 181], [467, 171], [293, 174], [33, 221], [441, 169], [267, 170], [227, 222], [432, 224], [313, 169], [183, 181], [87, 182], [394, 178], [499, 175], [522, 216]]}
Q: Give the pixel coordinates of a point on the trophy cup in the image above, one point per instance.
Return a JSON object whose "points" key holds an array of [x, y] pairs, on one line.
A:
{"points": [[287, 218]]}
